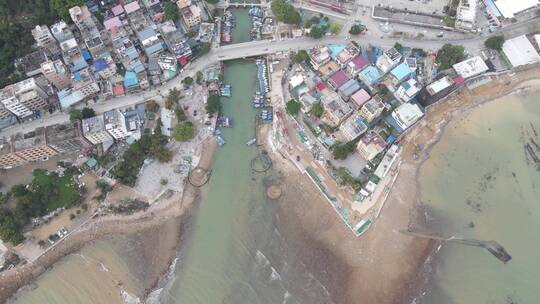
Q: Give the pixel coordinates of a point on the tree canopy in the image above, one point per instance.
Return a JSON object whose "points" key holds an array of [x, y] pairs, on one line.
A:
{"points": [[355, 30], [495, 42], [152, 106], [449, 55], [301, 56], [316, 32], [171, 11], [285, 12], [335, 28], [88, 112], [317, 110], [172, 99], [187, 81], [293, 107], [61, 7], [213, 104], [184, 131], [341, 151], [199, 77], [75, 114], [149, 145]]}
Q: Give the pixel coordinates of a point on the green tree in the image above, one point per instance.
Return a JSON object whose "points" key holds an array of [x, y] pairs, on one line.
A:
{"points": [[152, 106], [341, 151], [355, 30], [171, 11], [317, 110], [88, 112], [335, 28], [495, 42], [449, 55], [172, 99], [61, 7], [301, 56], [75, 115], [199, 77], [316, 32], [99, 17], [398, 47], [184, 131], [188, 81], [213, 104], [285, 12], [293, 107], [180, 115]]}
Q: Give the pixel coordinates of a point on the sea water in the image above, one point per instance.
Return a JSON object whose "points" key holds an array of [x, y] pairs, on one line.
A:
{"points": [[96, 274], [479, 183]]}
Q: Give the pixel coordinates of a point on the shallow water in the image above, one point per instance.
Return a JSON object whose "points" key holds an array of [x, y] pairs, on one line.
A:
{"points": [[479, 173], [97, 274]]}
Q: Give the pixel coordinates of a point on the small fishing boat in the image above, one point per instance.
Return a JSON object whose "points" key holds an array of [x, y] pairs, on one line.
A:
{"points": [[220, 140], [251, 142]]}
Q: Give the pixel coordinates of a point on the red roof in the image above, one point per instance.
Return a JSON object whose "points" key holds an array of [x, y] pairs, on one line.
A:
{"points": [[320, 86], [360, 62], [339, 78], [182, 60], [118, 89], [458, 80]]}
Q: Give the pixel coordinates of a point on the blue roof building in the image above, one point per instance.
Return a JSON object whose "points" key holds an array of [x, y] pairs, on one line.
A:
{"points": [[77, 65], [131, 53], [369, 75], [401, 72], [100, 65], [68, 97], [130, 80], [154, 49], [86, 55], [335, 49]]}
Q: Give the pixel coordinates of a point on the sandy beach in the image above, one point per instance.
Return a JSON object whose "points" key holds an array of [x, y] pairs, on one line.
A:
{"points": [[159, 227], [383, 265]]}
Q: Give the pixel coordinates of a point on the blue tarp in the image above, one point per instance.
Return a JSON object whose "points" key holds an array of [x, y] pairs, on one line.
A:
{"points": [[100, 65], [86, 55], [335, 49], [130, 79]]}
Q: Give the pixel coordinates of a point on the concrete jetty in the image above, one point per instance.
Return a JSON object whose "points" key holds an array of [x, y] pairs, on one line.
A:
{"points": [[492, 246]]}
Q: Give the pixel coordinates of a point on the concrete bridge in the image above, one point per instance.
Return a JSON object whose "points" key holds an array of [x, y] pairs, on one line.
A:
{"points": [[227, 4]]}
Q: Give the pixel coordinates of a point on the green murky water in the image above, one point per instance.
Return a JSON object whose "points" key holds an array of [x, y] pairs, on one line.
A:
{"points": [[479, 173]]}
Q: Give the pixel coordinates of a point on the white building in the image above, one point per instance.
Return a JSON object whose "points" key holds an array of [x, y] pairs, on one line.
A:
{"points": [[407, 114], [12, 104], [439, 85], [407, 90], [470, 67], [387, 161], [466, 14], [509, 8], [388, 60], [520, 51]]}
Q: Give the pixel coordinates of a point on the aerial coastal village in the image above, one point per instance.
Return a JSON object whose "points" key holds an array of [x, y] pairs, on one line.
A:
{"points": [[116, 109]]}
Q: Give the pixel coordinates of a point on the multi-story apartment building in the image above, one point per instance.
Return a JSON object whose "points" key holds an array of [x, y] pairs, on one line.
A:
{"points": [[56, 73], [82, 18], [44, 38]]}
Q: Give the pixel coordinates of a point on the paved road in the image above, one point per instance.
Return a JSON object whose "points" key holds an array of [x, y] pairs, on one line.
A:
{"points": [[256, 48]]}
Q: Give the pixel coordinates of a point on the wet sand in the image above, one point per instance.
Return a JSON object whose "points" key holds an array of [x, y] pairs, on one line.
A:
{"points": [[383, 265], [139, 234]]}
